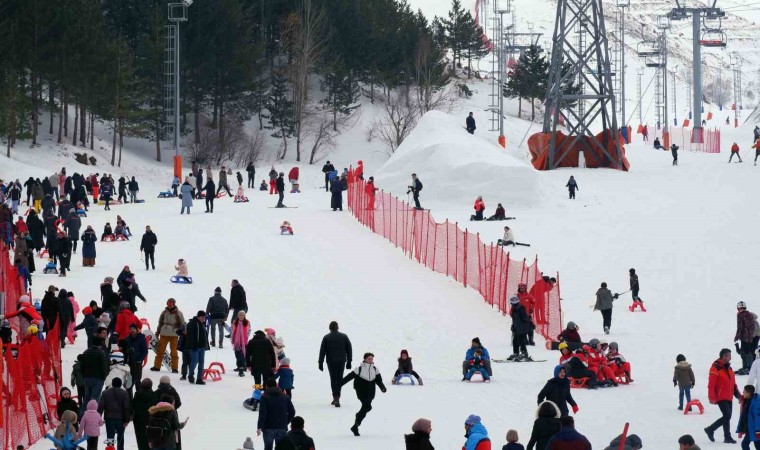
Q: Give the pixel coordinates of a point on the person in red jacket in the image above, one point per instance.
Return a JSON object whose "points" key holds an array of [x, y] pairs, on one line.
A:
{"points": [[293, 179], [721, 390], [480, 206], [529, 303], [735, 151], [359, 171], [124, 319], [27, 314], [21, 227], [369, 191], [756, 146], [597, 363]]}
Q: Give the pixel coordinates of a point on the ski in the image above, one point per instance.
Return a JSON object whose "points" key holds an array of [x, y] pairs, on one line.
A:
{"points": [[499, 361], [283, 207]]}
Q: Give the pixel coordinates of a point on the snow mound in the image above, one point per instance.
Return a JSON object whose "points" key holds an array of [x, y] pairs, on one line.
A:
{"points": [[455, 166]]}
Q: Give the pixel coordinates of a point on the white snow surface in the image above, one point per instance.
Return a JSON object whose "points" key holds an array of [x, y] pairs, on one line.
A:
{"points": [[689, 231], [457, 164]]}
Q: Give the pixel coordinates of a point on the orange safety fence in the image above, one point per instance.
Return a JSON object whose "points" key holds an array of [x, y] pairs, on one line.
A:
{"points": [[682, 137], [447, 249], [30, 373]]}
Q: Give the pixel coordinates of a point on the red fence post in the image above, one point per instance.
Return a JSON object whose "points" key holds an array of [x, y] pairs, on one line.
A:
{"points": [[466, 238], [447, 247], [456, 251]]}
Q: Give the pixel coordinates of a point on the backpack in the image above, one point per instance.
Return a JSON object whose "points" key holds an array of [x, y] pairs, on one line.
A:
{"points": [[419, 183], [158, 430]]}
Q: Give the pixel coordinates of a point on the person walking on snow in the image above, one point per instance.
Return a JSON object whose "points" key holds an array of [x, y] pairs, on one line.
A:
{"points": [[280, 184], [721, 390], [186, 191], [241, 328], [634, 284], [735, 152], [251, 170], [336, 198], [365, 378], [470, 121], [745, 334], [196, 343], [223, 182], [169, 322], [217, 309], [683, 377], [260, 357], [336, 350], [572, 186], [209, 193], [604, 299], [674, 152], [415, 189], [326, 169], [476, 434], [275, 413], [148, 245], [756, 146], [272, 181], [568, 437]]}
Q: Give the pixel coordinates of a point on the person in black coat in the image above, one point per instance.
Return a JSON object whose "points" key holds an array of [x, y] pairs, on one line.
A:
{"points": [[165, 388], [49, 308], [148, 245], [122, 189], [336, 349], [296, 438], [196, 344], [237, 299], [36, 230], [336, 199], [281, 190], [521, 326], [63, 208], [139, 346], [471, 126], [545, 426], [145, 397], [365, 378], [415, 189], [260, 357], [326, 169], [65, 314], [420, 437], [94, 366], [571, 186], [557, 391], [64, 253], [29, 184], [275, 413], [674, 151], [251, 169], [210, 193]]}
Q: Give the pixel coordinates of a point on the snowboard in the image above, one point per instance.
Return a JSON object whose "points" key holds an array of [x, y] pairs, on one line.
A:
{"points": [[167, 360], [181, 281]]}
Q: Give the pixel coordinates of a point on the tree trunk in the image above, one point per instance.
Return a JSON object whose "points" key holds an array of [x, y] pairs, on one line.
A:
{"points": [[60, 119], [196, 119], [469, 67], [222, 143], [532, 109], [83, 124], [76, 118], [10, 117], [51, 103], [92, 131], [519, 107], [158, 140], [121, 141], [66, 113], [285, 148], [35, 106]]}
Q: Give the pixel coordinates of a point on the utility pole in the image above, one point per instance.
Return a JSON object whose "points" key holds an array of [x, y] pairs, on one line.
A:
{"points": [[177, 13], [675, 103], [623, 4], [639, 74], [663, 23], [588, 59], [736, 66], [710, 12]]}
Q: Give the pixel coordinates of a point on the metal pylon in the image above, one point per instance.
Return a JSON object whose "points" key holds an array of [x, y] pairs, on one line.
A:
{"points": [[169, 81], [592, 65]]}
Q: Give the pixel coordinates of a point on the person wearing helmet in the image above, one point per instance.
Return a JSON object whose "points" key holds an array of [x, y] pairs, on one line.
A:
{"points": [[570, 335], [521, 326], [578, 367], [619, 365], [745, 334], [597, 363], [565, 351], [529, 303]]}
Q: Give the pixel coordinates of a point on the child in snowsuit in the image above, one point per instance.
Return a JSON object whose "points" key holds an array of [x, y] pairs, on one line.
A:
{"points": [[285, 228], [240, 195], [263, 185], [50, 267], [477, 364], [572, 186], [252, 403], [405, 367], [683, 377], [182, 272], [285, 377], [618, 363], [89, 324]]}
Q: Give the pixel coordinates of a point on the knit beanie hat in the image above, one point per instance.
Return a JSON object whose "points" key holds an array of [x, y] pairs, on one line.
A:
{"points": [[421, 425], [165, 380], [218, 290], [680, 358], [514, 301], [248, 444], [285, 361], [472, 420], [147, 383]]}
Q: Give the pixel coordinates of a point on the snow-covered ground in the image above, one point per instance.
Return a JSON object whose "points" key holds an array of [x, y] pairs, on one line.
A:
{"points": [[688, 230]]}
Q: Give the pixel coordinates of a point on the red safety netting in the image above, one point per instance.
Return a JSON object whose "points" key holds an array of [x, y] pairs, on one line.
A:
{"points": [[30, 373], [682, 137], [447, 249]]}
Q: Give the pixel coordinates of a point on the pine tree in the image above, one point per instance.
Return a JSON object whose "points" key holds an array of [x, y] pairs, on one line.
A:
{"points": [[280, 110], [458, 29], [477, 44], [341, 91]]}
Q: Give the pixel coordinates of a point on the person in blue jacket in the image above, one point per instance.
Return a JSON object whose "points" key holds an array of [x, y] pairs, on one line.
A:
{"points": [[476, 434], [470, 354], [106, 192], [285, 377], [749, 419]]}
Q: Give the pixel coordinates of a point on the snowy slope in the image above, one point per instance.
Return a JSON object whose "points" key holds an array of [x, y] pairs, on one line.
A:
{"points": [[688, 230]]}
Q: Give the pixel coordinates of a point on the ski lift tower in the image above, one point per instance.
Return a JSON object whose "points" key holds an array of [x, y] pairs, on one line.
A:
{"points": [[622, 5], [736, 65], [177, 14], [716, 38], [583, 57]]}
